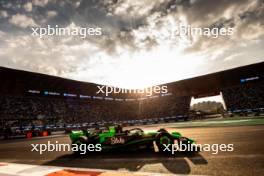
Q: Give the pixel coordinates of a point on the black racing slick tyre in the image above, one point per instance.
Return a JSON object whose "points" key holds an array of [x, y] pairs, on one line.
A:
{"points": [[163, 140], [77, 143]]}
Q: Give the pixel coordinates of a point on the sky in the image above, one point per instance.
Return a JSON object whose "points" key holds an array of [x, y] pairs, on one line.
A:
{"points": [[128, 54]]}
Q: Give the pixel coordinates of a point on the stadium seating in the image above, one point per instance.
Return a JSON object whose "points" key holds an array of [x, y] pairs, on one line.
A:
{"points": [[72, 110], [244, 97]]}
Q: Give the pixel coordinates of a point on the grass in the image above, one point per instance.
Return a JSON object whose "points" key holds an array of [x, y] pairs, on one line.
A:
{"points": [[218, 122]]}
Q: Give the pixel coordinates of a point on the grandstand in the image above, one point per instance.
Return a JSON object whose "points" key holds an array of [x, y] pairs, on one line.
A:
{"points": [[27, 97]]}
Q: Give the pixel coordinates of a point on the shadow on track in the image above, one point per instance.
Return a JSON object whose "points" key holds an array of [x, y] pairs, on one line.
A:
{"points": [[131, 161]]}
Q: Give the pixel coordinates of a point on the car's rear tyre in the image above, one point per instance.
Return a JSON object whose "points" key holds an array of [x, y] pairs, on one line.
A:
{"points": [[189, 146], [163, 140], [76, 147], [76, 144]]}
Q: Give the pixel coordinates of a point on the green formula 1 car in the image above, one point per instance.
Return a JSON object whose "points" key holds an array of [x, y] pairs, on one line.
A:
{"points": [[114, 138]]}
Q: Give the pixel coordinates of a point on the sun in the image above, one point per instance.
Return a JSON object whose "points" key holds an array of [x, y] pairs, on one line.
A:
{"points": [[146, 69]]}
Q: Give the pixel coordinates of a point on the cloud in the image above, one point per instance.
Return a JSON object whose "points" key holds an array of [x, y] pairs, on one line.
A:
{"points": [[245, 17], [34, 54], [22, 21], [51, 13], [40, 3], [28, 6], [128, 8], [133, 38], [3, 14]]}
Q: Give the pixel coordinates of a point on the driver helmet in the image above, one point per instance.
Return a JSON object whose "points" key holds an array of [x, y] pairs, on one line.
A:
{"points": [[119, 129]]}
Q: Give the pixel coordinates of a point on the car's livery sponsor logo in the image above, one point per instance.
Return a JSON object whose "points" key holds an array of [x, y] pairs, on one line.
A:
{"points": [[117, 140]]}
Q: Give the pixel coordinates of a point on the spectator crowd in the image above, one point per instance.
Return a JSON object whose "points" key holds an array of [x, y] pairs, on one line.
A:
{"points": [[69, 110], [244, 97]]}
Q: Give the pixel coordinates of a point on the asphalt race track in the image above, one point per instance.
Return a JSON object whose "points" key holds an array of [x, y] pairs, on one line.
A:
{"points": [[246, 159]]}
